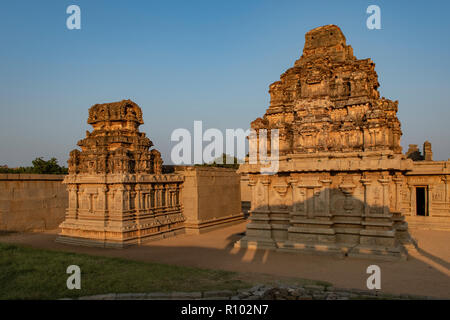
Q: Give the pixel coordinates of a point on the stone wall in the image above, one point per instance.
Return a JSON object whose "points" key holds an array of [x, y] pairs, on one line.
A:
{"points": [[32, 202], [211, 198]]}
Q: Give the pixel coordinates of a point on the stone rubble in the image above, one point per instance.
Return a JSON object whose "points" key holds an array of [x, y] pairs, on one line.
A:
{"points": [[264, 292]]}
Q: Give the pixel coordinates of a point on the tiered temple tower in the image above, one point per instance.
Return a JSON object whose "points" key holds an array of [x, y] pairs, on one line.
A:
{"points": [[338, 187], [117, 193]]}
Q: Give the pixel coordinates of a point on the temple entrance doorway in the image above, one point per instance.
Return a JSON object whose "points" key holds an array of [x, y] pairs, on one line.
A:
{"points": [[421, 201]]}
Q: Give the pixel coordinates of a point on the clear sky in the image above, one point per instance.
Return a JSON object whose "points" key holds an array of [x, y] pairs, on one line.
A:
{"points": [[201, 60]]}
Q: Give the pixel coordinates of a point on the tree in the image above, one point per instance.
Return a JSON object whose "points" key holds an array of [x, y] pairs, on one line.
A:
{"points": [[40, 166], [227, 162]]}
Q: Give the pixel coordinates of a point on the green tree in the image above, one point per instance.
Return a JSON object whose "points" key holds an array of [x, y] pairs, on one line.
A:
{"points": [[227, 162], [40, 166]]}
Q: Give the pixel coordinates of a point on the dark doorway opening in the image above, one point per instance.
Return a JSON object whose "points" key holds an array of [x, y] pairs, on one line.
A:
{"points": [[421, 201]]}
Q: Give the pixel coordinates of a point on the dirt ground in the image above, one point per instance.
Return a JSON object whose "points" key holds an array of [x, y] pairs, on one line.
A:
{"points": [[426, 272]]}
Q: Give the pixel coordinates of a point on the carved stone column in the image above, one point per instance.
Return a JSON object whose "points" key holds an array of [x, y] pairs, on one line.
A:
{"points": [[398, 187], [385, 184], [310, 202], [429, 200], [412, 194], [366, 183], [266, 184], [445, 179], [157, 196], [138, 199], [104, 198], [252, 184], [348, 188], [72, 211], [293, 184], [326, 184]]}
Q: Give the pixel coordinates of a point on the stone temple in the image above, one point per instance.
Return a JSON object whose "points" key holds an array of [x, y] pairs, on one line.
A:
{"points": [[118, 195], [343, 184]]}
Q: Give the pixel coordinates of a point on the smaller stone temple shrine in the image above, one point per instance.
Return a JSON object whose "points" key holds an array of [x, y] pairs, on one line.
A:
{"points": [[118, 195]]}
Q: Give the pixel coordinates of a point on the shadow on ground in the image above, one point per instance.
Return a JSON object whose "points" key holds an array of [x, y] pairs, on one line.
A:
{"points": [[422, 274]]}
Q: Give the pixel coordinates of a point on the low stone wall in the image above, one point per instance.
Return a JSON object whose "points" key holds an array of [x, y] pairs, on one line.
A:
{"points": [[32, 202], [211, 198]]}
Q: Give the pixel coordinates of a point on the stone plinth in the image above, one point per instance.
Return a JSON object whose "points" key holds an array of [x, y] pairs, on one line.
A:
{"points": [[211, 198]]}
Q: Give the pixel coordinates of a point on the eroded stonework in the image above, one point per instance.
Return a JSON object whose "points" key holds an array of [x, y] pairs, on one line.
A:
{"points": [[341, 169], [117, 194], [115, 145], [329, 102]]}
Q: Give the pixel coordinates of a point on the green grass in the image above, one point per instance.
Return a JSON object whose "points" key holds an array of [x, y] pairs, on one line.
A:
{"points": [[28, 273]]}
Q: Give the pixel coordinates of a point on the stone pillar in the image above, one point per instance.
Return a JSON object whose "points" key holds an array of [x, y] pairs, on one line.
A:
{"points": [[366, 183], [446, 195], [326, 184], [398, 186], [138, 200], [385, 184], [72, 211], [266, 184], [157, 196], [310, 203], [293, 184], [104, 200], [166, 195], [412, 194], [252, 184], [179, 195], [429, 200]]}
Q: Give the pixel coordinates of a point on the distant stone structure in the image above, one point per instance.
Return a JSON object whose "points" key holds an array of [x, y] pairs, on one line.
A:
{"points": [[413, 153], [341, 171], [427, 153], [117, 194], [426, 197]]}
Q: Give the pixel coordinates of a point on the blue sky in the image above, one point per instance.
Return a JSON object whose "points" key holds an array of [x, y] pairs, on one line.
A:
{"points": [[201, 60]]}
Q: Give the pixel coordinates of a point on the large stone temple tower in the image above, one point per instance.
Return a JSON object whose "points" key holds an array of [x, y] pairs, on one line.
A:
{"points": [[117, 193], [341, 167]]}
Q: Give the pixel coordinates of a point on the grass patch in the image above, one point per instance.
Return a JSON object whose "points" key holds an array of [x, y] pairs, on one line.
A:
{"points": [[28, 273]]}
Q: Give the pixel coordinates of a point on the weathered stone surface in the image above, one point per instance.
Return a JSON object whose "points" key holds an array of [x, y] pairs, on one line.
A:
{"points": [[342, 185], [115, 145], [211, 198], [32, 202], [341, 170], [220, 293], [117, 194], [281, 292]]}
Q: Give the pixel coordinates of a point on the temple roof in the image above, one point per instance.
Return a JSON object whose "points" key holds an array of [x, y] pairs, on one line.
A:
{"points": [[125, 110]]}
